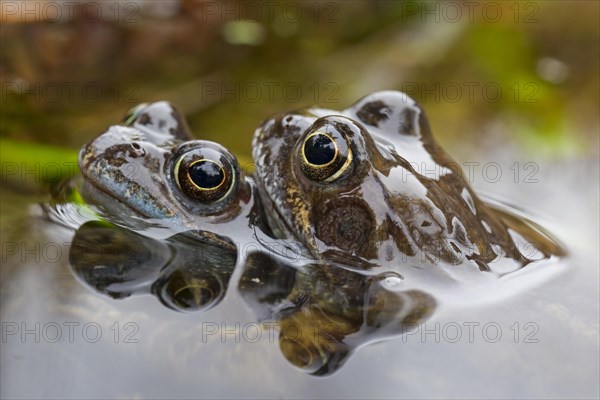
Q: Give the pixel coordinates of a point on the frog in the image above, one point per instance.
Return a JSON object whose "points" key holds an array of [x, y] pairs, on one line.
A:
{"points": [[150, 170], [173, 211], [369, 186]]}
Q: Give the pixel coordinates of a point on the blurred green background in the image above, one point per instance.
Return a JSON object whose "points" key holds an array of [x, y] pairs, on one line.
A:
{"points": [[520, 72]]}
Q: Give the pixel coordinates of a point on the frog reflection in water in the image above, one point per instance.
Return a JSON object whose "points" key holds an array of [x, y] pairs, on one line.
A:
{"points": [[186, 272], [325, 312], [369, 186], [150, 173]]}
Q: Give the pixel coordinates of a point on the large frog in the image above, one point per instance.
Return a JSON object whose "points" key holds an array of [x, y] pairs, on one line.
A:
{"points": [[370, 184]]}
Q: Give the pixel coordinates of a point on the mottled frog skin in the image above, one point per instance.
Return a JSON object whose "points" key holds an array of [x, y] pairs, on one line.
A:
{"points": [[370, 182]]}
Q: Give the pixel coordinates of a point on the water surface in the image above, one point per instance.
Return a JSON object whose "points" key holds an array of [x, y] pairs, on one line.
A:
{"points": [[541, 342]]}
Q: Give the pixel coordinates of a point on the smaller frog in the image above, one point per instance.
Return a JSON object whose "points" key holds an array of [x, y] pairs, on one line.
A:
{"points": [[370, 186], [150, 171]]}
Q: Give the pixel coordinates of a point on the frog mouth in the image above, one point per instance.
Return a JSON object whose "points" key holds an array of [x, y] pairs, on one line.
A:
{"points": [[124, 188], [94, 192], [273, 216], [106, 200], [282, 225]]}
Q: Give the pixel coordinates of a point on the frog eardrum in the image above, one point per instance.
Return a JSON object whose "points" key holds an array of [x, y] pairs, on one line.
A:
{"points": [[204, 171], [325, 153]]}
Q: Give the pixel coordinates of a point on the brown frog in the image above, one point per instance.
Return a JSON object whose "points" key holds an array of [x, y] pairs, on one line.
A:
{"points": [[370, 184]]}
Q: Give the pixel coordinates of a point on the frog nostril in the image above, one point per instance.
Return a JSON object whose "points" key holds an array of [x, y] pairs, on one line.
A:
{"points": [[137, 150]]}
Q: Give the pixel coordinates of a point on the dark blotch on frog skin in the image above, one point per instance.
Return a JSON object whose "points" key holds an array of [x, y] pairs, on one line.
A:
{"points": [[373, 112], [145, 119], [376, 112], [408, 122]]}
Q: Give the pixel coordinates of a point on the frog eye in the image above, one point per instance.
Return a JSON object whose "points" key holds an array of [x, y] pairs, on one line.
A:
{"points": [[133, 114], [325, 154], [205, 174]]}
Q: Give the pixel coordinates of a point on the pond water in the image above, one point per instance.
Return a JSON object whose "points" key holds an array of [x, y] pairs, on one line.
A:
{"points": [[61, 339]]}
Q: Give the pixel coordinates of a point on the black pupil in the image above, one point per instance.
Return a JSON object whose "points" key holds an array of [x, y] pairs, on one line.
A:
{"points": [[319, 149], [206, 174]]}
